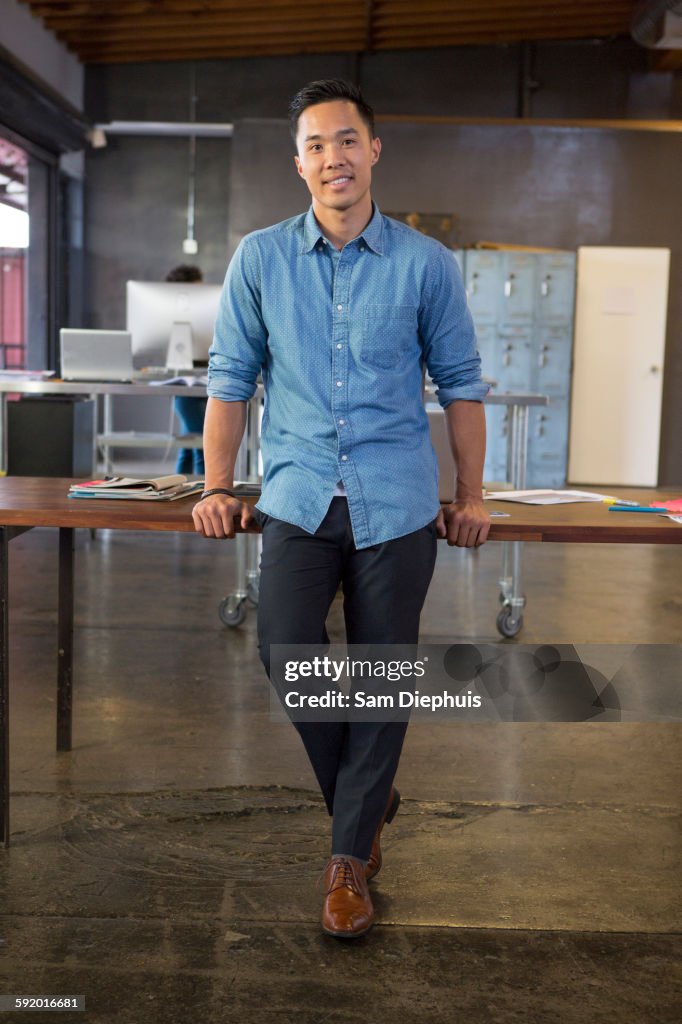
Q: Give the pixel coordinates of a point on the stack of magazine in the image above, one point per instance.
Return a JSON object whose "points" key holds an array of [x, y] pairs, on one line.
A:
{"points": [[160, 488]]}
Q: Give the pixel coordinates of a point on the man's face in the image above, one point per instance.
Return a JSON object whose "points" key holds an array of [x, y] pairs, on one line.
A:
{"points": [[335, 154]]}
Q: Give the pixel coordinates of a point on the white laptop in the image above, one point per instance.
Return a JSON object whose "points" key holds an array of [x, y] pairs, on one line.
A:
{"points": [[96, 355]]}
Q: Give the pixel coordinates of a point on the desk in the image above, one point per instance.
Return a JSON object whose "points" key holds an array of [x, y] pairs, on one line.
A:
{"points": [[108, 438], [26, 502]]}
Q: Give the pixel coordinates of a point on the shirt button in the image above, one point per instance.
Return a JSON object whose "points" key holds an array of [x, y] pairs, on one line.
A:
{"points": [[344, 458], [339, 346], [341, 423], [339, 383], [339, 307], [362, 248]]}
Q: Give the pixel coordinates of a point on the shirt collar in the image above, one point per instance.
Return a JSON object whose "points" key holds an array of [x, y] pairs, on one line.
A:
{"points": [[372, 235]]}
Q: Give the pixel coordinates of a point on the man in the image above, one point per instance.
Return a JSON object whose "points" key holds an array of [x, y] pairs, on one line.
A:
{"points": [[341, 308], [189, 410]]}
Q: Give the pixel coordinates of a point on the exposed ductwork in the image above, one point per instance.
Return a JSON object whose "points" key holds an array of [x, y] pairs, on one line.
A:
{"points": [[657, 24]]}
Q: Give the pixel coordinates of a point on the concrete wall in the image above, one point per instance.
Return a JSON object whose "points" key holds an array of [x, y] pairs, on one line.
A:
{"points": [[535, 186]]}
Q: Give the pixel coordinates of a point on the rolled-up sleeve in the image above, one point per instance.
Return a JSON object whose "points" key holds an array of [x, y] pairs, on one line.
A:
{"points": [[239, 347], [448, 334]]}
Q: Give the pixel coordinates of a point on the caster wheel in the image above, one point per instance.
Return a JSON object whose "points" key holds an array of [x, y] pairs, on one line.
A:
{"points": [[505, 625], [252, 594], [232, 611]]}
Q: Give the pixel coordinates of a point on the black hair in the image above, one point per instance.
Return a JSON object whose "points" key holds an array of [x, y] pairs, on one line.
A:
{"points": [[325, 90], [185, 274]]}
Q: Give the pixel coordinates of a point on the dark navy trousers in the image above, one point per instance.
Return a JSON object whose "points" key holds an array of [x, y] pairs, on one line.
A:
{"points": [[384, 588]]}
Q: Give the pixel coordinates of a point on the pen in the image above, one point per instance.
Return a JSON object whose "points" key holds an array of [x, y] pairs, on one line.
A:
{"points": [[619, 501], [637, 508]]}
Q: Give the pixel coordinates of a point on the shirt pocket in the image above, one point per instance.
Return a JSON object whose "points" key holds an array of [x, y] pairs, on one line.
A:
{"points": [[387, 334]]}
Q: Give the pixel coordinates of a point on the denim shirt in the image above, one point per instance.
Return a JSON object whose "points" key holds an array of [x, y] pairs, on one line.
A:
{"points": [[341, 342]]}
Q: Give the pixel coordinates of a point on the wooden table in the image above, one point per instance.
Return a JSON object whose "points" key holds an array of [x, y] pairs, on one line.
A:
{"points": [[26, 502]]}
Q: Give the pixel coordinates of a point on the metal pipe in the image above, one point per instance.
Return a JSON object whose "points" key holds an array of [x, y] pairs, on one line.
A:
{"points": [[156, 128]]}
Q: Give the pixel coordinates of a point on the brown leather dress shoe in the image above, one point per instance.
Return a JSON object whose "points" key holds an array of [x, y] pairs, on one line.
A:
{"points": [[347, 912], [374, 862]]}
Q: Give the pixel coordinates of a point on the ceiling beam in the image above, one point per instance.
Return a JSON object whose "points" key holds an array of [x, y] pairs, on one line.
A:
{"points": [[392, 8], [67, 8], [253, 21], [292, 15], [579, 27], [198, 30], [481, 38], [419, 34], [483, 15], [108, 8]]}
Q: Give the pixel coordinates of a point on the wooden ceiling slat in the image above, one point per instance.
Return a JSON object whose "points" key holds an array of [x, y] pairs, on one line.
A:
{"points": [[256, 35], [420, 35], [142, 20], [191, 30], [123, 33], [107, 8], [341, 40], [125, 8], [618, 12], [491, 38], [395, 8], [111, 26], [118, 31], [580, 25], [191, 23]]}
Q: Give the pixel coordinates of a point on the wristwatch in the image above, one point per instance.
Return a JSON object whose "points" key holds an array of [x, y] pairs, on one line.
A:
{"points": [[217, 490]]}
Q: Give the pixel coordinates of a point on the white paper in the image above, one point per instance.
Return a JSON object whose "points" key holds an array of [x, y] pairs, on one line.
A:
{"points": [[549, 497]]}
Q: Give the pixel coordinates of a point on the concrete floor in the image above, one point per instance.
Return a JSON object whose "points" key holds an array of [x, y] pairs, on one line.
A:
{"points": [[168, 867]]}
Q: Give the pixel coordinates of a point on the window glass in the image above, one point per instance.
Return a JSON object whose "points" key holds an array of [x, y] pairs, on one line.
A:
{"points": [[13, 254]]}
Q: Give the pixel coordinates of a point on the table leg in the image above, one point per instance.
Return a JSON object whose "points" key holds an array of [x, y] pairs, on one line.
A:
{"points": [[108, 425], [65, 638], [510, 619], [95, 422]]}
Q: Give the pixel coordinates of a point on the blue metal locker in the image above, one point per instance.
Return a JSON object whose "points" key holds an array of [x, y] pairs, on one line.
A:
{"points": [[517, 287], [555, 287], [486, 337], [481, 277], [496, 419], [552, 355], [548, 445], [513, 362], [522, 304]]}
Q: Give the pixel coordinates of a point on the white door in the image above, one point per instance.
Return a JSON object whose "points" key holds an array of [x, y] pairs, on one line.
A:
{"points": [[620, 319]]}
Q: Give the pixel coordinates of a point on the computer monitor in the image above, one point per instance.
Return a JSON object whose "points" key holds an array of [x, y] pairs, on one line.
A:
{"points": [[157, 311]]}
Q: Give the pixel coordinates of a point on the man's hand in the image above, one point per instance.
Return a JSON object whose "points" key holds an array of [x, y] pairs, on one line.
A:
{"points": [[214, 516], [464, 523]]}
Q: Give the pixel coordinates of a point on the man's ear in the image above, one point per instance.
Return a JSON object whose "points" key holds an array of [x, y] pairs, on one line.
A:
{"points": [[376, 149], [299, 168]]}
